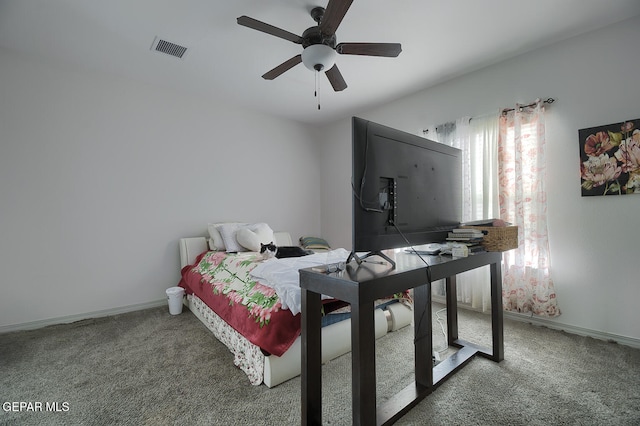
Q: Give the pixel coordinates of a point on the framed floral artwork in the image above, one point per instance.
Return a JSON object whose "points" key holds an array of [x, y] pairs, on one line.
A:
{"points": [[610, 159]]}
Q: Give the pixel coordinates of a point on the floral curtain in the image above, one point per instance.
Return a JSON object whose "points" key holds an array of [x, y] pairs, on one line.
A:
{"points": [[526, 284]]}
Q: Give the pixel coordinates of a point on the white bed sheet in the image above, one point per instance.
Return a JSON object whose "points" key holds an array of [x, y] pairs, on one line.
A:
{"points": [[282, 274]]}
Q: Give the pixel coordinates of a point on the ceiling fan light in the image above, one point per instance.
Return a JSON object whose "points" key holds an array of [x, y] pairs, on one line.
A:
{"points": [[319, 56]]}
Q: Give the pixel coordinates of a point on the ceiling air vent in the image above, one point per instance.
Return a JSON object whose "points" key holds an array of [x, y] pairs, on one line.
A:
{"points": [[164, 46]]}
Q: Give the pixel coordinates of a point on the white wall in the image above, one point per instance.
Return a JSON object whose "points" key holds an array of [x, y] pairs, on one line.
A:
{"points": [[100, 177], [594, 240]]}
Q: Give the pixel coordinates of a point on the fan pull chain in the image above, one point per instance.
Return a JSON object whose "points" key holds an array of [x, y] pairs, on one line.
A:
{"points": [[317, 92]]}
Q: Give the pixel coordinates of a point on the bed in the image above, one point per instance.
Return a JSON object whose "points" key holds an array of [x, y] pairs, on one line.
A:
{"points": [[260, 323]]}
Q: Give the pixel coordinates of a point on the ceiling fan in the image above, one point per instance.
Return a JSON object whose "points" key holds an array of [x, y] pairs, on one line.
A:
{"points": [[319, 43]]}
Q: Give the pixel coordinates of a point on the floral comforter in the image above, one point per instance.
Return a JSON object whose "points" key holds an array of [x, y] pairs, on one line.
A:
{"points": [[224, 283], [230, 276]]}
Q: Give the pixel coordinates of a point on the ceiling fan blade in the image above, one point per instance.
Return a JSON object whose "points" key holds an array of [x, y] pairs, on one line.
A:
{"points": [[335, 78], [269, 29], [370, 49], [333, 15], [280, 69]]}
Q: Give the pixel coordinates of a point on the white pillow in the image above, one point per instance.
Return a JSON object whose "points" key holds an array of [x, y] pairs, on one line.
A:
{"points": [[216, 242], [250, 237], [228, 234]]}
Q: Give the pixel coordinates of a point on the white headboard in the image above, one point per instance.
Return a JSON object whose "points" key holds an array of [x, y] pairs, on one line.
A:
{"points": [[282, 238], [190, 248]]}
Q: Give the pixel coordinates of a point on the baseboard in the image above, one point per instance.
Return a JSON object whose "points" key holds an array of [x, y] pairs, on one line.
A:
{"points": [[78, 317], [555, 325], [580, 331]]}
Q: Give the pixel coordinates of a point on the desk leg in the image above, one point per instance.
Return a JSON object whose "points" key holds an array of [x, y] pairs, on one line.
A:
{"points": [[311, 373], [497, 326], [452, 310], [423, 338], [363, 364]]}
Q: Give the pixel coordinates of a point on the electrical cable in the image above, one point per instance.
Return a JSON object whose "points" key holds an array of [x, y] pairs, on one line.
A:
{"points": [[444, 333], [358, 195], [416, 339], [438, 319]]}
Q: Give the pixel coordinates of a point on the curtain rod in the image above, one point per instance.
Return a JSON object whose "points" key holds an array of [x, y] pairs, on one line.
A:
{"points": [[506, 110], [546, 101]]}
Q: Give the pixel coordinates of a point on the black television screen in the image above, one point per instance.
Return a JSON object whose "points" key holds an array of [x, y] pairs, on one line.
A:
{"points": [[404, 186]]}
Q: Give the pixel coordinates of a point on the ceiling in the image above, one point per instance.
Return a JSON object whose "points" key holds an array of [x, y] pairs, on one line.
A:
{"points": [[440, 39]]}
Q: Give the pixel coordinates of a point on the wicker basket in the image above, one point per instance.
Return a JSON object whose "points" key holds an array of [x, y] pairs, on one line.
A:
{"points": [[498, 238]]}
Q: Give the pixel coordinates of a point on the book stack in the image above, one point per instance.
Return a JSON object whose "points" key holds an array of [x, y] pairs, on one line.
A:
{"points": [[472, 238]]}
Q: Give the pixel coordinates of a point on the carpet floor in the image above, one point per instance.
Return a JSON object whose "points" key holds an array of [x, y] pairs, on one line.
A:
{"points": [[152, 368]]}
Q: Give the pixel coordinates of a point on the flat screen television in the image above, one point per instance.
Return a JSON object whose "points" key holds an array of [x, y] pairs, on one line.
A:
{"points": [[405, 188]]}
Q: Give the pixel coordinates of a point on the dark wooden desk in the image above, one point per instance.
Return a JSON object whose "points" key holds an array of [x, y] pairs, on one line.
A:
{"points": [[361, 286]]}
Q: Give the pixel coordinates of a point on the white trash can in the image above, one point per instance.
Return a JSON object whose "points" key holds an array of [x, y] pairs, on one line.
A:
{"points": [[175, 295]]}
